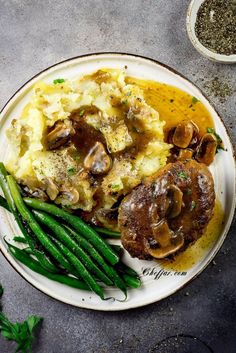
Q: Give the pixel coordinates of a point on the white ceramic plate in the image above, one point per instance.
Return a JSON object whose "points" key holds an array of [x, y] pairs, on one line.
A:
{"points": [[223, 170]]}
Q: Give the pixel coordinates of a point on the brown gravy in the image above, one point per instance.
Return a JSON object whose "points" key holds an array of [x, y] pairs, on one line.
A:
{"points": [[174, 106]]}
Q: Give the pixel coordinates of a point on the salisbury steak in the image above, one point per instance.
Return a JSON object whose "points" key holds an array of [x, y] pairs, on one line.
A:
{"points": [[168, 211]]}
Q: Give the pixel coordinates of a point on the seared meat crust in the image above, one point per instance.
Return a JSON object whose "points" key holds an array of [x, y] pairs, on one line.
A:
{"points": [[150, 203]]}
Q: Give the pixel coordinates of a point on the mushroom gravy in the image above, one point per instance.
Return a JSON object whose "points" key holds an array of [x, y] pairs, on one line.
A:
{"points": [[174, 105], [193, 254]]}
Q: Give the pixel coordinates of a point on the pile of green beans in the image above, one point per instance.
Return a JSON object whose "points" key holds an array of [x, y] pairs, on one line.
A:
{"points": [[60, 244]]}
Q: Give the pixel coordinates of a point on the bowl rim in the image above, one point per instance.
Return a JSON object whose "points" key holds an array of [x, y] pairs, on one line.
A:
{"points": [[231, 216], [190, 24]]}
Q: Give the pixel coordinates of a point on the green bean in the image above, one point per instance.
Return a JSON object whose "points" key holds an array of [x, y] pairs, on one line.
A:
{"points": [[88, 232], [81, 269], [107, 232], [62, 234], [12, 208], [28, 250], [3, 203], [123, 268], [34, 226], [108, 269], [20, 240], [35, 266], [133, 282], [117, 248]]}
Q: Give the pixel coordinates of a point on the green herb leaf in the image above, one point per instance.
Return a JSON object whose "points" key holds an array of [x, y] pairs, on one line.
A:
{"points": [[58, 80], [128, 94], [182, 175], [189, 191], [81, 113], [71, 171], [21, 333], [211, 130], [193, 205], [195, 100], [115, 187]]}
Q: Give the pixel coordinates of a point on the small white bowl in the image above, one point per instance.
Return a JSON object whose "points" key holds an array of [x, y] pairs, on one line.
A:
{"points": [[190, 23]]}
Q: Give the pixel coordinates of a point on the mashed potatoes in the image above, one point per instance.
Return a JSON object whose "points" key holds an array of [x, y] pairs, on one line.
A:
{"points": [[130, 134]]}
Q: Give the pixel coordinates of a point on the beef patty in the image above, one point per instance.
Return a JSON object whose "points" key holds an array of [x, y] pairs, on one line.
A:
{"points": [[169, 211]]}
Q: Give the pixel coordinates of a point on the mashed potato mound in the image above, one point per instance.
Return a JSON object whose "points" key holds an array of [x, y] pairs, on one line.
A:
{"points": [[131, 130]]}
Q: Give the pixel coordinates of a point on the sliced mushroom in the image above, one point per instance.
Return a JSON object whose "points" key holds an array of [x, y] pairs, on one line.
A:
{"points": [[183, 134], [184, 154], [52, 189], [164, 241], [97, 161], [35, 192], [70, 194], [175, 196], [207, 149], [59, 135]]}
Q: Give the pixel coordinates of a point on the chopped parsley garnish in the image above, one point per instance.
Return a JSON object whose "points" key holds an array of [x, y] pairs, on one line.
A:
{"points": [[71, 171], [182, 175], [58, 80], [115, 187], [128, 94], [211, 130], [195, 100], [125, 101], [189, 191], [81, 113], [193, 205]]}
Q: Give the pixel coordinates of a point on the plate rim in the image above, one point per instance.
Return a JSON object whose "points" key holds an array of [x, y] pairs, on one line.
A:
{"points": [[231, 216]]}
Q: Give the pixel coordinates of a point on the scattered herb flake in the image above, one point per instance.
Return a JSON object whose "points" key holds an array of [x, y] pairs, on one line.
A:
{"points": [[115, 187], [128, 94], [81, 113], [193, 205], [189, 191], [71, 171], [195, 100], [58, 80], [182, 175], [211, 130]]}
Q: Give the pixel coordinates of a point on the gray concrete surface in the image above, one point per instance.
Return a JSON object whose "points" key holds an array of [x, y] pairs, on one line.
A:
{"points": [[200, 318]]}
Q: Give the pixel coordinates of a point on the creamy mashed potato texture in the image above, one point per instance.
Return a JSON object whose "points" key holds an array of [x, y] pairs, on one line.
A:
{"points": [[52, 143]]}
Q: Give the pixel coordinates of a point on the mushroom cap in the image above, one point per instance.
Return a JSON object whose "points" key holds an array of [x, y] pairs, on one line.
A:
{"points": [[183, 134], [59, 135], [97, 160], [165, 242], [207, 149]]}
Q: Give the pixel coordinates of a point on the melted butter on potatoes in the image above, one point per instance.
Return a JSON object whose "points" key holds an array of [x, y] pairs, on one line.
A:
{"points": [[60, 126]]}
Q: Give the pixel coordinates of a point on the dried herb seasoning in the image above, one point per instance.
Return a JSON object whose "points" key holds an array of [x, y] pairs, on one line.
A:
{"points": [[215, 26]]}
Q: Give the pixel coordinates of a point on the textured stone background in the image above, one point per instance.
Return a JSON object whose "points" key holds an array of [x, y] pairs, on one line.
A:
{"points": [[202, 316]]}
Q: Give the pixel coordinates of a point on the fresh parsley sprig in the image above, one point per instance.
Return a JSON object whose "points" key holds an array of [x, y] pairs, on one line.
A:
{"points": [[21, 333]]}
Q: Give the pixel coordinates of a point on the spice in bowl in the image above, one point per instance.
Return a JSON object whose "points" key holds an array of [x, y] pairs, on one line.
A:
{"points": [[215, 26]]}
